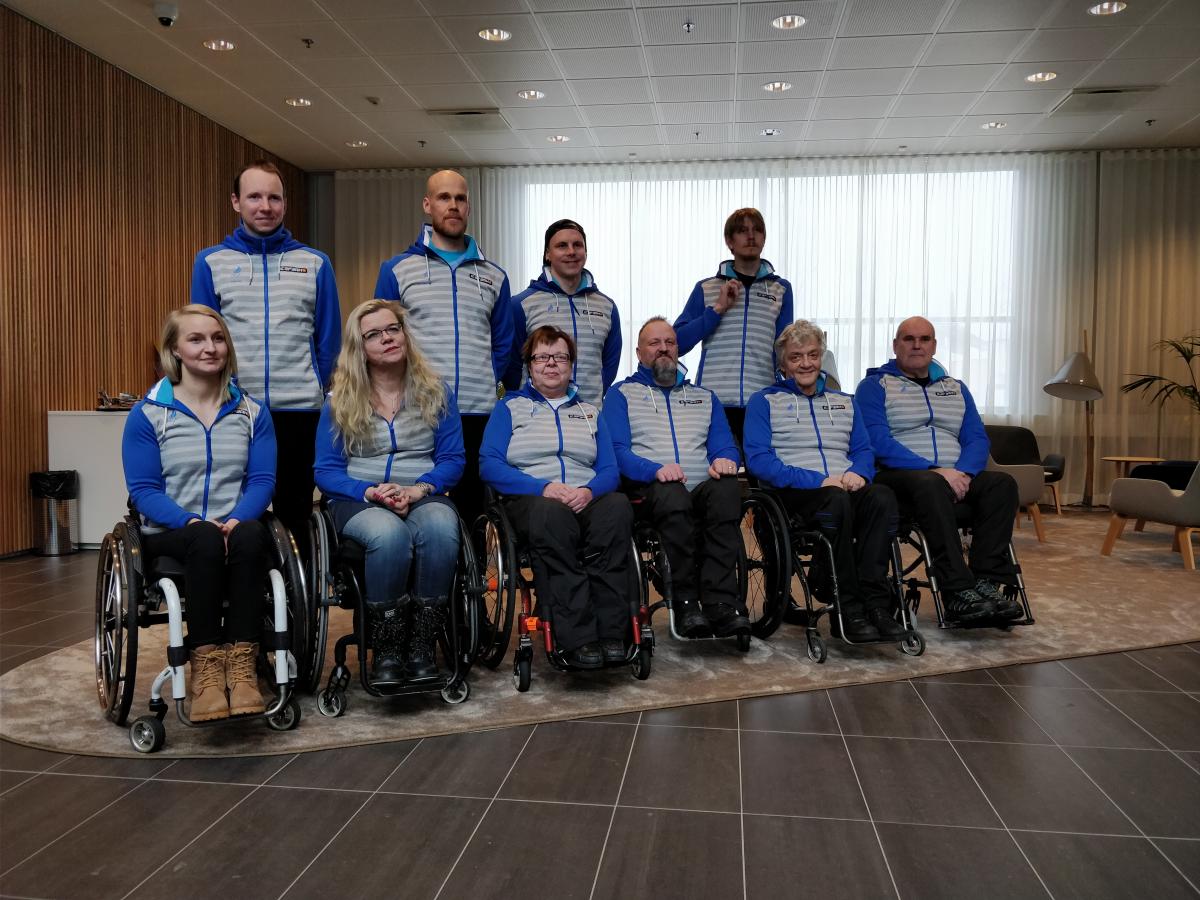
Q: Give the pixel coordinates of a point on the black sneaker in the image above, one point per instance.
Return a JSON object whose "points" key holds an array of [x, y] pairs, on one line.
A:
{"points": [[693, 623], [613, 650], [856, 627], [968, 606], [727, 620], [1006, 607], [589, 656], [887, 626]]}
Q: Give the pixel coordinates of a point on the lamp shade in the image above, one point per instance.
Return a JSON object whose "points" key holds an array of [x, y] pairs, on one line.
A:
{"points": [[1076, 380]]}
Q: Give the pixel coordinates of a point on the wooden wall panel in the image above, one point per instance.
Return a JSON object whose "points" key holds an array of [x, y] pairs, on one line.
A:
{"points": [[107, 190]]}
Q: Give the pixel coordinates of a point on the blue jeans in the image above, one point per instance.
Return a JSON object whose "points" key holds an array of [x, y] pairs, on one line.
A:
{"points": [[423, 545]]}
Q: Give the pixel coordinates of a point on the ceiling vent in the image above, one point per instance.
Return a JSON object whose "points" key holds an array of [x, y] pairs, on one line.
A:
{"points": [[469, 120], [1085, 101]]}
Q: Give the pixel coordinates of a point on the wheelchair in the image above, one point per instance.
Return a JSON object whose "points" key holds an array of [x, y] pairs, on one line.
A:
{"points": [[910, 535], [778, 546], [336, 575], [504, 567], [131, 593]]}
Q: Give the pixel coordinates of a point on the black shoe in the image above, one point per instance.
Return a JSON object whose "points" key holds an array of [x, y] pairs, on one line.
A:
{"points": [[693, 623], [968, 606], [1006, 607], [885, 624], [613, 650], [589, 656], [429, 621], [856, 627], [389, 633], [727, 620]]}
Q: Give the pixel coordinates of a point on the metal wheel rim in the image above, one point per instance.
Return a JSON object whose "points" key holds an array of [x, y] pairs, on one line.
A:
{"points": [[109, 637], [142, 736]]}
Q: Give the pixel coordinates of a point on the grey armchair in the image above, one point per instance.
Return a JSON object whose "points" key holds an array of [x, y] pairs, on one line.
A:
{"points": [[1031, 483], [1154, 501]]}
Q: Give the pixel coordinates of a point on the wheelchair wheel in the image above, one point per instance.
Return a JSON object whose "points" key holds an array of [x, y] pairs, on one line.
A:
{"points": [[320, 581], [468, 592], [287, 718], [523, 674], [764, 562], [497, 560], [331, 703], [642, 665], [913, 645], [816, 647], [456, 693], [118, 589], [287, 561], [147, 734]]}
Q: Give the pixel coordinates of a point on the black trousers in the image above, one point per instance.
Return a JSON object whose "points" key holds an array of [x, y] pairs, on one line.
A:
{"points": [[700, 533], [213, 573], [736, 415], [580, 565], [860, 525], [993, 501], [468, 495], [296, 437]]}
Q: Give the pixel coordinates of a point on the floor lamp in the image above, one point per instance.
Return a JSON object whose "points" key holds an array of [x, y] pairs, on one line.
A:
{"points": [[1076, 380]]}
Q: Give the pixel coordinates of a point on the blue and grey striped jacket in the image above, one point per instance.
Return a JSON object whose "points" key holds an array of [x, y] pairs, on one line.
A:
{"points": [[652, 426], [177, 470], [794, 440], [914, 426], [460, 315], [281, 302], [529, 444], [588, 315], [402, 451], [739, 356]]}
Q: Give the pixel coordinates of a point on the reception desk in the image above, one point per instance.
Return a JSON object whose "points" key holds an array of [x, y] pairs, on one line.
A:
{"points": [[90, 443]]}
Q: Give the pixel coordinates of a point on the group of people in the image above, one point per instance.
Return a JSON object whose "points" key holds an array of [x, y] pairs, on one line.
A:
{"points": [[445, 382]]}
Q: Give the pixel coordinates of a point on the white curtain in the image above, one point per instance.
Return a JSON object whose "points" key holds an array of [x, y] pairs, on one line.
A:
{"points": [[998, 250]]}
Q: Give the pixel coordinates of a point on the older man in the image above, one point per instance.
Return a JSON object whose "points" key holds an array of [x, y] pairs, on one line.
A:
{"points": [[932, 450], [679, 459]]}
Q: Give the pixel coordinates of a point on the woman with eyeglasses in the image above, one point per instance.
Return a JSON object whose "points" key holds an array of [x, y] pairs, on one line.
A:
{"points": [[549, 455], [389, 446]]}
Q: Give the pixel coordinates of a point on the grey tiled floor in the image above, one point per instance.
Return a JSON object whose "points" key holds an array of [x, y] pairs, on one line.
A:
{"points": [[1063, 779]]}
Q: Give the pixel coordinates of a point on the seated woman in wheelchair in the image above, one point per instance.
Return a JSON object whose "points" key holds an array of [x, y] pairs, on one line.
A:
{"points": [[806, 441], [389, 445], [199, 460], [550, 456]]}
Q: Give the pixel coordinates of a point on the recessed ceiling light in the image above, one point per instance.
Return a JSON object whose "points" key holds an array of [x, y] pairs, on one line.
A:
{"points": [[494, 34], [356, 145], [785, 23], [298, 101], [531, 94], [777, 87], [770, 132], [1041, 77], [219, 44], [558, 139], [1107, 9], [994, 125]]}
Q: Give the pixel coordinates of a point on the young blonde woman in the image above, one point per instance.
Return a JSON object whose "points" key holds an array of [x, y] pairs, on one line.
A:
{"points": [[389, 446], [199, 460]]}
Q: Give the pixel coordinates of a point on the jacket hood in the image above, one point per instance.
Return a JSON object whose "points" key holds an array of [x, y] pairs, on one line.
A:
{"points": [[423, 245], [789, 384], [936, 370], [163, 394], [279, 241], [727, 271], [545, 282], [532, 393]]}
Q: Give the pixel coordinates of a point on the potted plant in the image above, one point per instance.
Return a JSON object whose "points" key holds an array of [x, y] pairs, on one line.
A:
{"points": [[1159, 388]]}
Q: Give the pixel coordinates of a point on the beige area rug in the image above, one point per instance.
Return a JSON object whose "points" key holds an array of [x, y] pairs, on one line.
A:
{"points": [[1083, 603]]}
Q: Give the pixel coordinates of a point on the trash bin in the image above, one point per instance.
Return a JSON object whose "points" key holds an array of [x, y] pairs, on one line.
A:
{"points": [[55, 510]]}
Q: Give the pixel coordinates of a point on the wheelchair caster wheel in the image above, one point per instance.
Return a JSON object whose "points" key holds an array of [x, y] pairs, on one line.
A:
{"points": [[523, 674], [456, 693], [816, 648], [743, 642], [641, 665], [147, 734], [913, 645], [331, 703], [287, 718]]}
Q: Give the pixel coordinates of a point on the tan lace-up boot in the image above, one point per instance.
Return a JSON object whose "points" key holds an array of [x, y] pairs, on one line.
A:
{"points": [[207, 689], [242, 676]]}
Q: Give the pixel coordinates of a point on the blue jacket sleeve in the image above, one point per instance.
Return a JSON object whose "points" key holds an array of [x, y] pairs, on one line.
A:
{"points": [[494, 467], [972, 438], [610, 355], [386, 286], [259, 484], [512, 377], [142, 461], [203, 291], [615, 417], [502, 332], [761, 458], [721, 444], [862, 458], [449, 457], [696, 322], [606, 478], [889, 452], [330, 465], [327, 328]]}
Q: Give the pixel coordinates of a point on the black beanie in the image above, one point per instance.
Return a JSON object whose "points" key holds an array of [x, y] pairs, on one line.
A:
{"points": [[559, 226]]}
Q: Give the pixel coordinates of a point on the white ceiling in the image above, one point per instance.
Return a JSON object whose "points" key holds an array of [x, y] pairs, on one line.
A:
{"points": [[624, 80]]}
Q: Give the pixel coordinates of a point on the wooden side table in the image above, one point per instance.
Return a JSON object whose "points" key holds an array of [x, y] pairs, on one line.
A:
{"points": [[1126, 463]]}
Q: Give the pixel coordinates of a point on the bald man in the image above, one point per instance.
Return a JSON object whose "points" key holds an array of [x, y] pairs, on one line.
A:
{"points": [[458, 311], [932, 451]]}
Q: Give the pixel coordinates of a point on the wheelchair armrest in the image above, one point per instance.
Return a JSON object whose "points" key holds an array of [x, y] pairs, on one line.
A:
{"points": [[1054, 464]]}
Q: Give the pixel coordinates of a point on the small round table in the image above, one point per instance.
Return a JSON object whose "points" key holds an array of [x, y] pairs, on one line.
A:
{"points": [[1125, 463]]}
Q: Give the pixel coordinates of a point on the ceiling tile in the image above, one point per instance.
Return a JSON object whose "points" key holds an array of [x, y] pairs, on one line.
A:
{"points": [[988, 15], [1162, 41], [426, 68], [976, 144], [782, 56], [556, 93], [841, 129], [701, 113], [666, 24], [542, 117], [370, 9], [1069, 73], [342, 72], [464, 32], [863, 82], [329, 41], [933, 104], [834, 148], [630, 154], [128, 14], [852, 107], [1073, 43], [539, 137], [387, 96], [703, 59], [950, 79], [575, 5], [258, 12], [626, 136], [1180, 12], [1130, 72], [620, 114], [535, 66], [1066, 141], [1014, 123], [477, 7], [607, 28], [820, 15], [696, 87], [593, 91], [892, 17], [765, 148], [390, 37], [1002, 102], [804, 84], [686, 134], [695, 151], [1173, 96], [1132, 127], [491, 140], [918, 126], [751, 132], [611, 62], [906, 146], [452, 96], [970, 49], [399, 121], [877, 52], [773, 110], [1061, 124], [1076, 15]]}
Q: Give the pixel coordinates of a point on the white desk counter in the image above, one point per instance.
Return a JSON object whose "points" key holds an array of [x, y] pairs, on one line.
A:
{"points": [[90, 443]]}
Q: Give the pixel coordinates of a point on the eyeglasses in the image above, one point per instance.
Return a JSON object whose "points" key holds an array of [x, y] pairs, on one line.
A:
{"points": [[376, 333], [542, 358]]}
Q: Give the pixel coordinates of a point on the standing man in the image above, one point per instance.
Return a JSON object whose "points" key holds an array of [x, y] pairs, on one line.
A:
{"points": [[737, 314], [458, 309], [932, 450], [678, 457], [280, 301]]}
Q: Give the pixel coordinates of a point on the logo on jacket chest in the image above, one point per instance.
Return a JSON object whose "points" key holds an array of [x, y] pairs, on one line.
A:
{"points": [[945, 393], [303, 270], [482, 279]]}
